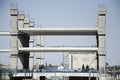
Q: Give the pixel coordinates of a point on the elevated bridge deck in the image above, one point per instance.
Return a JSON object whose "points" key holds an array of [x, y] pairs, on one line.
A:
{"points": [[60, 49], [59, 31]]}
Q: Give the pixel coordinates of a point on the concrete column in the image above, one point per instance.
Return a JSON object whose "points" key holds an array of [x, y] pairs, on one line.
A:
{"points": [[39, 55], [23, 41], [20, 39], [26, 22], [13, 40], [70, 61], [31, 44], [21, 17], [101, 39]]}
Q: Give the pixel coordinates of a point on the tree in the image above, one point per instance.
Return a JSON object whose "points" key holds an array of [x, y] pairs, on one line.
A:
{"points": [[50, 65], [83, 68], [87, 68], [11, 75], [42, 67]]}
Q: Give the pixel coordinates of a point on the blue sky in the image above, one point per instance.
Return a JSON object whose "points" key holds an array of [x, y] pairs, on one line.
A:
{"points": [[66, 13]]}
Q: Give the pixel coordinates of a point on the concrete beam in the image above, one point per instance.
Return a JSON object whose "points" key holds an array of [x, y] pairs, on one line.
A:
{"points": [[65, 74], [4, 33], [62, 49], [4, 51], [58, 31]]}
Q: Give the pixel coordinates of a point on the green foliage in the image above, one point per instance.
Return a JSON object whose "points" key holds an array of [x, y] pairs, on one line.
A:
{"points": [[50, 65], [11, 75], [0, 75], [53, 66], [3, 70], [113, 68], [41, 67]]}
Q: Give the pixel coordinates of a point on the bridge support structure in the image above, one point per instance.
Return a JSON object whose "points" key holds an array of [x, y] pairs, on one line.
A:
{"points": [[22, 43]]}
